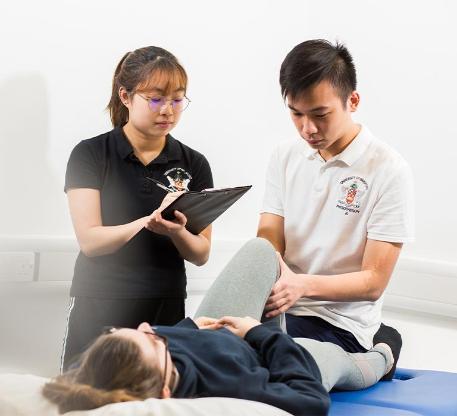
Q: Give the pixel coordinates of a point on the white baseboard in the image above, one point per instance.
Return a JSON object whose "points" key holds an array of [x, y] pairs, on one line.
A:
{"points": [[418, 285], [423, 285]]}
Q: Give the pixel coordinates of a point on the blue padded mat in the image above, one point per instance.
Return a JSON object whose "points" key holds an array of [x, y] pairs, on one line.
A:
{"points": [[355, 409], [411, 393]]}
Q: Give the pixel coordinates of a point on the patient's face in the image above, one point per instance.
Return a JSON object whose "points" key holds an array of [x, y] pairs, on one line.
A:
{"points": [[152, 348]]}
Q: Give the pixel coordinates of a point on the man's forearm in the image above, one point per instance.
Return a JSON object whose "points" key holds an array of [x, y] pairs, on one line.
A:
{"points": [[364, 285], [271, 228]]}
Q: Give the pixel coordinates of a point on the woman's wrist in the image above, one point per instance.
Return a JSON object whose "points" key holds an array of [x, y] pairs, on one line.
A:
{"points": [[141, 222], [181, 234]]}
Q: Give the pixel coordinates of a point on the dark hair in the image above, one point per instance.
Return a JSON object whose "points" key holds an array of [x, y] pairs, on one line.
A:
{"points": [[112, 370], [134, 73], [314, 61]]}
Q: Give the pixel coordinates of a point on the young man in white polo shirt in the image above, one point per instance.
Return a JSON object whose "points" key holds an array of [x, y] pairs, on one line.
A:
{"points": [[338, 207]]}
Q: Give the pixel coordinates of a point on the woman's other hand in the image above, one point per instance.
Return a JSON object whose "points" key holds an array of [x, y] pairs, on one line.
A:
{"points": [[239, 326], [158, 225], [203, 322]]}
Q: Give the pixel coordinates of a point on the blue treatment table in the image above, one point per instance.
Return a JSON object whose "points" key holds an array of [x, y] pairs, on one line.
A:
{"points": [[410, 393]]}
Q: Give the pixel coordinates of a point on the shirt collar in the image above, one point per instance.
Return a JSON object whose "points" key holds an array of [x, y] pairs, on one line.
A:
{"points": [[171, 151], [352, 153], [311, 153]]}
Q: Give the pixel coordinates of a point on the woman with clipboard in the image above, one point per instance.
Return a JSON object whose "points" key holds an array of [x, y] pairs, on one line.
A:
{"points": [[131, 264]]}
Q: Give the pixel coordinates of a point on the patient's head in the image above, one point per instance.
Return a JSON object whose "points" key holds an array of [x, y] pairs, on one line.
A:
{"points": [[122, 365]]}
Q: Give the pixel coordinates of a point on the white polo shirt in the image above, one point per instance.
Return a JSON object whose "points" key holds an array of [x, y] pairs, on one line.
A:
{"points": [[330, 208]]}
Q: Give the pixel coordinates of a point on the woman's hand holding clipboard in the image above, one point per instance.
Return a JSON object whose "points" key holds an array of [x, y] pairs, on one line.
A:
{"points": [[201, 208]]}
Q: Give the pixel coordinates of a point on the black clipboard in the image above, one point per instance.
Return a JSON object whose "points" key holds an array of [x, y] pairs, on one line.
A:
{"points": [[202, 208]]}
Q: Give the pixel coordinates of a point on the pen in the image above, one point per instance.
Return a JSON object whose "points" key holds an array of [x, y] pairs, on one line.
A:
{"points": [[159, 184]]}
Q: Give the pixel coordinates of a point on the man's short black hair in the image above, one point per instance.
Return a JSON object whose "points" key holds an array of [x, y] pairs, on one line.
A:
{"points": [[314, 61]]}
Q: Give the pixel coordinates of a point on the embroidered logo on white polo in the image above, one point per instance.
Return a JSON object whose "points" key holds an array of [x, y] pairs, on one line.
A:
{"points": [[353, 189]]}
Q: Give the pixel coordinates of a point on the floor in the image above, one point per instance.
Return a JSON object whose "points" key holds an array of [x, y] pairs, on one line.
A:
{"points": [[429, 342]]}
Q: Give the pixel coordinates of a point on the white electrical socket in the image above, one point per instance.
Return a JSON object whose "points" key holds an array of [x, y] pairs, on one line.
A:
{"points": [[17, 266]]}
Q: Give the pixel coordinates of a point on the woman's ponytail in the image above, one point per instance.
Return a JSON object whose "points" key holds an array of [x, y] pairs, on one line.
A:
{"points": [[69, 396], [119, 113], [112, 370]]}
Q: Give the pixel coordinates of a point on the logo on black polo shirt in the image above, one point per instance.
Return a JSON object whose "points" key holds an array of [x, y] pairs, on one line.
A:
{"points": [[353, 189], [178, 179]]}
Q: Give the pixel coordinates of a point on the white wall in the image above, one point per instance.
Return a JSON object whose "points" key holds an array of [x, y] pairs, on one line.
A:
{"points": [[428, 341], [57, 60]]}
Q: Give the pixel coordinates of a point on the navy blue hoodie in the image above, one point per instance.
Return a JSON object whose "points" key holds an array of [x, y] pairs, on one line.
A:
{"points": [[267, 366]]}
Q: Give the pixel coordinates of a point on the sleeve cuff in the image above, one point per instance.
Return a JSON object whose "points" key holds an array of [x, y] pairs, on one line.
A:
{"points": [[275, 211], [390, 238], [257, 334], [187, 323]]}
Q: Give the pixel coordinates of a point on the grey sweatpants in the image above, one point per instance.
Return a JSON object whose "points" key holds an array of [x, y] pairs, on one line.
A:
{"points": [[242, 289]]}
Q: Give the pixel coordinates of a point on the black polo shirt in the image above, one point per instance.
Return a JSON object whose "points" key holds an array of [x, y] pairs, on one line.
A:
{"points": [[149, 265]]}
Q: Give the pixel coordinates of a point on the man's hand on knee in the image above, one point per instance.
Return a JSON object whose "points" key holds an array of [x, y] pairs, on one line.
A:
{"points": [[286, 291]]}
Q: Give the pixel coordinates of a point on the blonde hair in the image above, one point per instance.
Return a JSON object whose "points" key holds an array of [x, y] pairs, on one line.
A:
{"points": [[112, 370]]}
